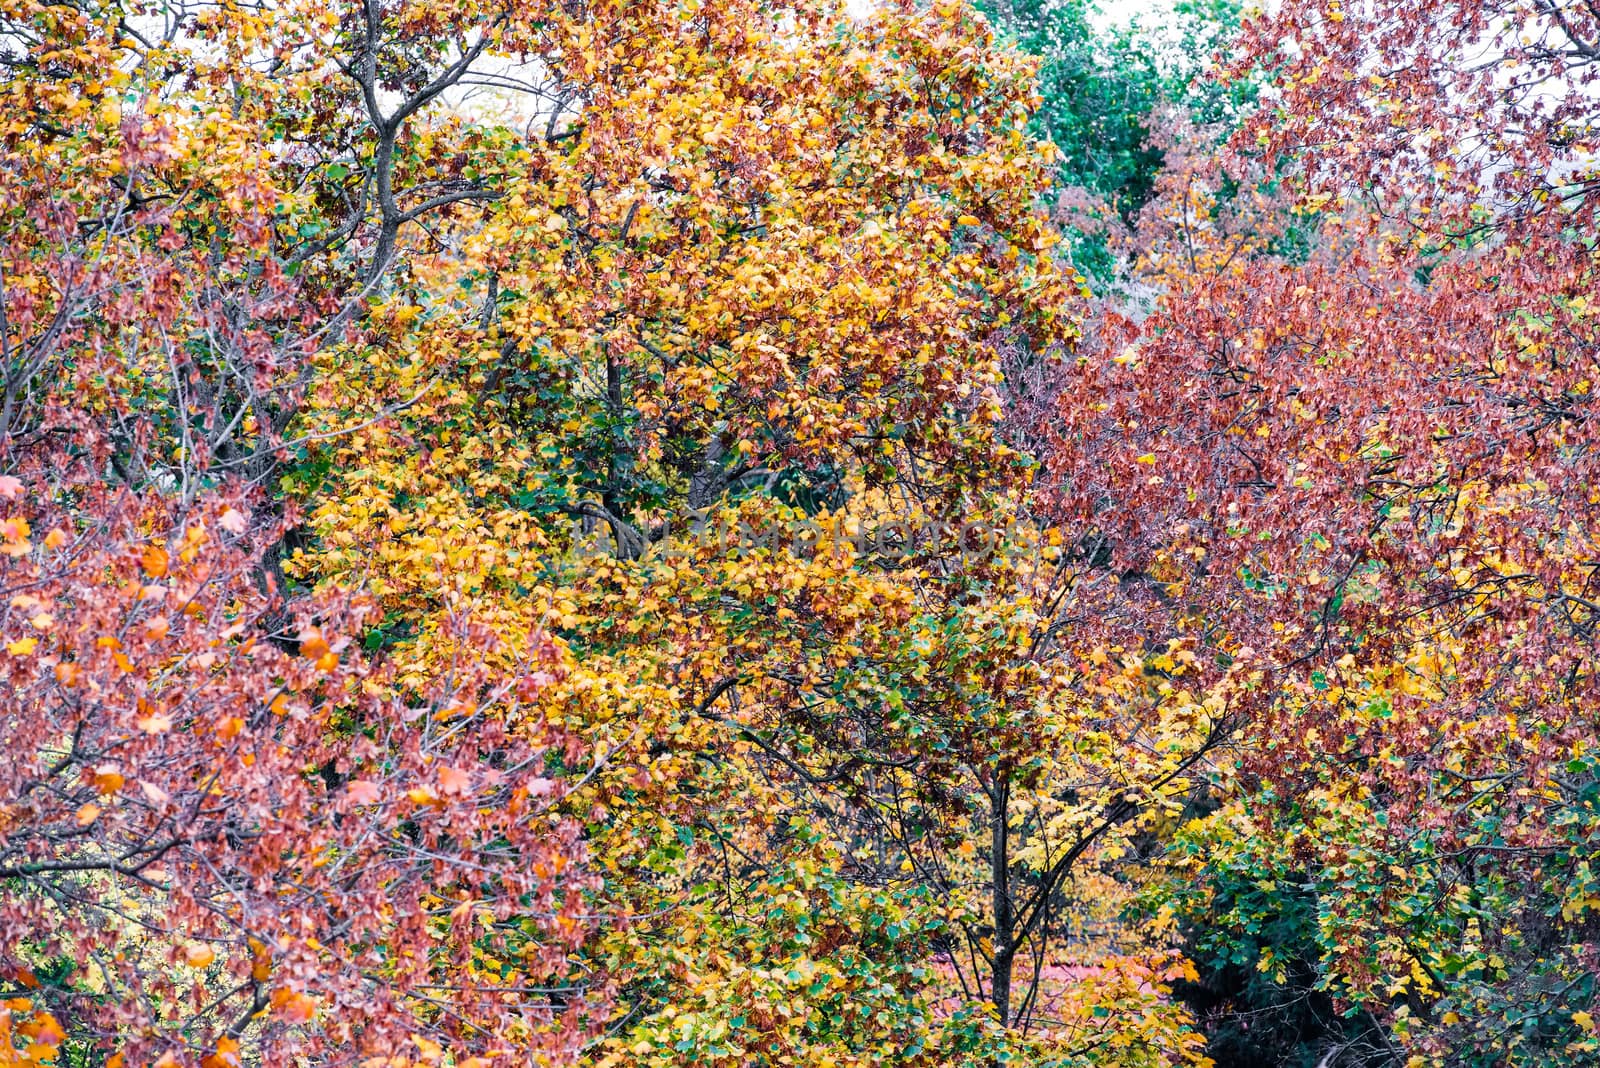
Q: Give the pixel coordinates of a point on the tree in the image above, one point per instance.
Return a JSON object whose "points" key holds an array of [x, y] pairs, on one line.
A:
{"points": [[1102, 91], [1106, 95], [229, 835], [219, 847], [717, 400], [1368, 470]]}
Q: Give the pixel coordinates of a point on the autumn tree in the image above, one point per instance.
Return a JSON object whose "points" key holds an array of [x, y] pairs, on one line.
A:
{"points": [[224, 841], [1367, 469], [227, 834], [717, 390]]}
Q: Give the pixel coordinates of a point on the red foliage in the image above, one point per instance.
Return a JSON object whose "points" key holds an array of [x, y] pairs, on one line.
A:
{"points": [[225, 830], [205, 819]]}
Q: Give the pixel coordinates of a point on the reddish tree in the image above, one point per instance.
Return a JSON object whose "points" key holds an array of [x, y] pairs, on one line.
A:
{"points": [[227, 834], [1368, 466], [217, 832]]}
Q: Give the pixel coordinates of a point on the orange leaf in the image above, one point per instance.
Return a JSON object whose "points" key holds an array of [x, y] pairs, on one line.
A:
{"points": [[15, 532], [154, 560], [226, 1056], [261, 961], [44, 1030], [313, 646], [293, 1005]]}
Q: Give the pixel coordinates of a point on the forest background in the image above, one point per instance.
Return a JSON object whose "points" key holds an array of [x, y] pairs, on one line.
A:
{"points": [[1150, 607]]}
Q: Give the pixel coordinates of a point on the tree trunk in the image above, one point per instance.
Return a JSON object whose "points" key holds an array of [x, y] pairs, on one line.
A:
{"points": [[1004, 951]]}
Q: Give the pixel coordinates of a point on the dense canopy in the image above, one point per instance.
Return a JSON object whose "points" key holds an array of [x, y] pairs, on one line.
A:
{"points": [[785, 532]]}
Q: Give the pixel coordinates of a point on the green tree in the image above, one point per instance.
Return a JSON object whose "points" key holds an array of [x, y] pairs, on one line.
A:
{"points": [[1102, 89]]}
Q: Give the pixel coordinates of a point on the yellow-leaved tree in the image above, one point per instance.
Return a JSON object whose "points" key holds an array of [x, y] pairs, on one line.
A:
{"points": [[711, 389]]}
